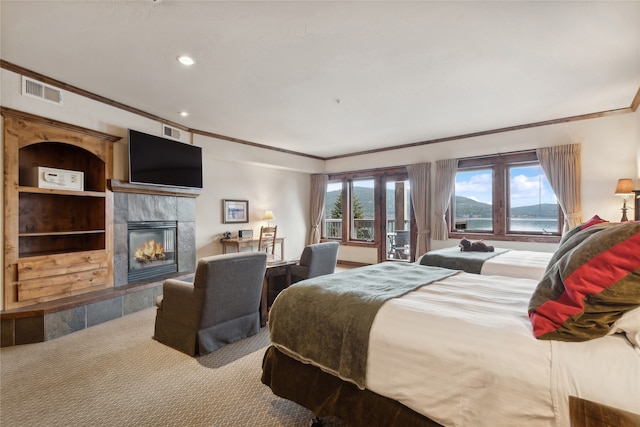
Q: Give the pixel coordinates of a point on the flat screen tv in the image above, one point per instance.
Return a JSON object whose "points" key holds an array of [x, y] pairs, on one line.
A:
{"points": [[160, 161]]}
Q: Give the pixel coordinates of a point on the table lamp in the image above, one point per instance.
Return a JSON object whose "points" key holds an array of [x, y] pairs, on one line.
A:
{"points": [[625, 190], [268, 216]]}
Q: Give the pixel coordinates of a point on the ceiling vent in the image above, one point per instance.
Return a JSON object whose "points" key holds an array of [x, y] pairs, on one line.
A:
{"points": [[36, 89], [171, 132]]}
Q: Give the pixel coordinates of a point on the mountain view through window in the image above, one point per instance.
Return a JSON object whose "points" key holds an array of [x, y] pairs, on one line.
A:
{"points": [[531, 203]]}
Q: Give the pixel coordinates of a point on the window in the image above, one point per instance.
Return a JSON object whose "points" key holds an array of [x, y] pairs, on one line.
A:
{"points": [[533, 207], [398, 218], [359, 200], [332, 224], [505, 197], [362, 212], [474, 200], [355, 205]]}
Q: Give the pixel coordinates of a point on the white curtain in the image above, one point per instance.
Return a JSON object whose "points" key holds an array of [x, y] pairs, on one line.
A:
{"points": [[562, 167], [318, 194], [444, 185], [420, 184]]}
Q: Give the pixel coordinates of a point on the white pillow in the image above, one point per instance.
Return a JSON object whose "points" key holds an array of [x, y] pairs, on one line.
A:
{"points": [[629, 324]]}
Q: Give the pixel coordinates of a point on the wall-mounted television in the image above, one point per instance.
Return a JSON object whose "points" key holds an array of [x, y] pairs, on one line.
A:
{"points": [[160, 161]]}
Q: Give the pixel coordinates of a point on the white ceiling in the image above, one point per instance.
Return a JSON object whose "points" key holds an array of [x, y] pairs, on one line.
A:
{"points": [[333, 78]]}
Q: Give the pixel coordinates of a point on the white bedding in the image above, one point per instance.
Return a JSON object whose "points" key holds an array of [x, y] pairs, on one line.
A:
{"points": [[525, 264], [461, 351]]}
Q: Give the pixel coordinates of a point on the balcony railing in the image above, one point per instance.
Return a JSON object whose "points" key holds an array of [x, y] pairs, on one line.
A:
{"points": [[332, 228], [364, 228]]}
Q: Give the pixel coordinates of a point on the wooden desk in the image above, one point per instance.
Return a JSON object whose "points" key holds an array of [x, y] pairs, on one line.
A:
{"points": [[280, 268], [251, 242]]}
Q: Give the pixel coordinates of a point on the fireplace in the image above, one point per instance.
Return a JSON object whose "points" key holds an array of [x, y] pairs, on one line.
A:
{"points": [[131, 208], [152, 249]]}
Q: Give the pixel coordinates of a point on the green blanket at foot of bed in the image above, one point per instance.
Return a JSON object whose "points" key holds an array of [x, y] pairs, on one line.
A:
{"points": [[455, 259], [326, 320]]}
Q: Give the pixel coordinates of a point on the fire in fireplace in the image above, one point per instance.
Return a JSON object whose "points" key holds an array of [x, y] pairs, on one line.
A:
{"points": [[152, 249]]}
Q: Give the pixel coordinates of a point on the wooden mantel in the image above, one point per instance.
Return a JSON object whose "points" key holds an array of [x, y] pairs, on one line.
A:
{"points": [[118, 186]]}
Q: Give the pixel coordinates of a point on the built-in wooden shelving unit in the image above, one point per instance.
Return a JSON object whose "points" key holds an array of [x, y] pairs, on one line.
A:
{"points": [[58, 242]]}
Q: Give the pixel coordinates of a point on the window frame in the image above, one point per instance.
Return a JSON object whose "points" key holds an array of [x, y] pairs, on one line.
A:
{"points": [[352, 220], [500, 164], [346, 178]]}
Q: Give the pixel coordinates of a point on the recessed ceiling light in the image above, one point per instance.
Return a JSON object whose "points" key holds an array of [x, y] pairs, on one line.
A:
{"points": [[183, 113], [186, 60]]}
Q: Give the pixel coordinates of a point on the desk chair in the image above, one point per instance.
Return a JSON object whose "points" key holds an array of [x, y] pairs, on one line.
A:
{"points": [[267, 242], [316, 260]]}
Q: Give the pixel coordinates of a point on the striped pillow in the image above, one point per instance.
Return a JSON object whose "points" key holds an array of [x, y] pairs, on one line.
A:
{"points": [[593, 279], [592, 221]]}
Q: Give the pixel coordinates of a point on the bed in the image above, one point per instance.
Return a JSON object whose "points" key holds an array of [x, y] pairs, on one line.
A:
{"points": [[501, 262], [399, 344]]}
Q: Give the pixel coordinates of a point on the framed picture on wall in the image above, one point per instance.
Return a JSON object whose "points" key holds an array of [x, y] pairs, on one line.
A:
{"points": [[235, 211]]}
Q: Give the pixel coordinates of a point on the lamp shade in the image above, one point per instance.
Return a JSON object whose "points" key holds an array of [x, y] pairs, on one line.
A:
{"points": [[268, 216], [624, 187]]}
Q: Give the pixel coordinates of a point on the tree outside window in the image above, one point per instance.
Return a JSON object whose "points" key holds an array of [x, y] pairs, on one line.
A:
{"points": [[360, 210]]}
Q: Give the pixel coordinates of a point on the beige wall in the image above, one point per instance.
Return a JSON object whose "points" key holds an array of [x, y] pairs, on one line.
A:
{"points": [[278, 181]]}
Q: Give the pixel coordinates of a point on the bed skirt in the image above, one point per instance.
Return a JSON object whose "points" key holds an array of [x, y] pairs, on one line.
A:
{"points": [[326, 395]]}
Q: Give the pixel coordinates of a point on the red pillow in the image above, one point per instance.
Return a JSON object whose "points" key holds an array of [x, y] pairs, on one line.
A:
{"points": [[593, 221], [594, 282]]}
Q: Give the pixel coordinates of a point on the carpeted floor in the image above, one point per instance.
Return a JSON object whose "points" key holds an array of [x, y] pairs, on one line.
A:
{"points": [[115, 374]]}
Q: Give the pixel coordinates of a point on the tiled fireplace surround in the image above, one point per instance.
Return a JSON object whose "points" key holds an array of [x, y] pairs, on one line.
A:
{"points": [[72, 314], [129, 207]]}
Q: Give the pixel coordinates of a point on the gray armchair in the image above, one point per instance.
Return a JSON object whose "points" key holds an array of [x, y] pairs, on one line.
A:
{"points": [[316, 260], [220, 307]]}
